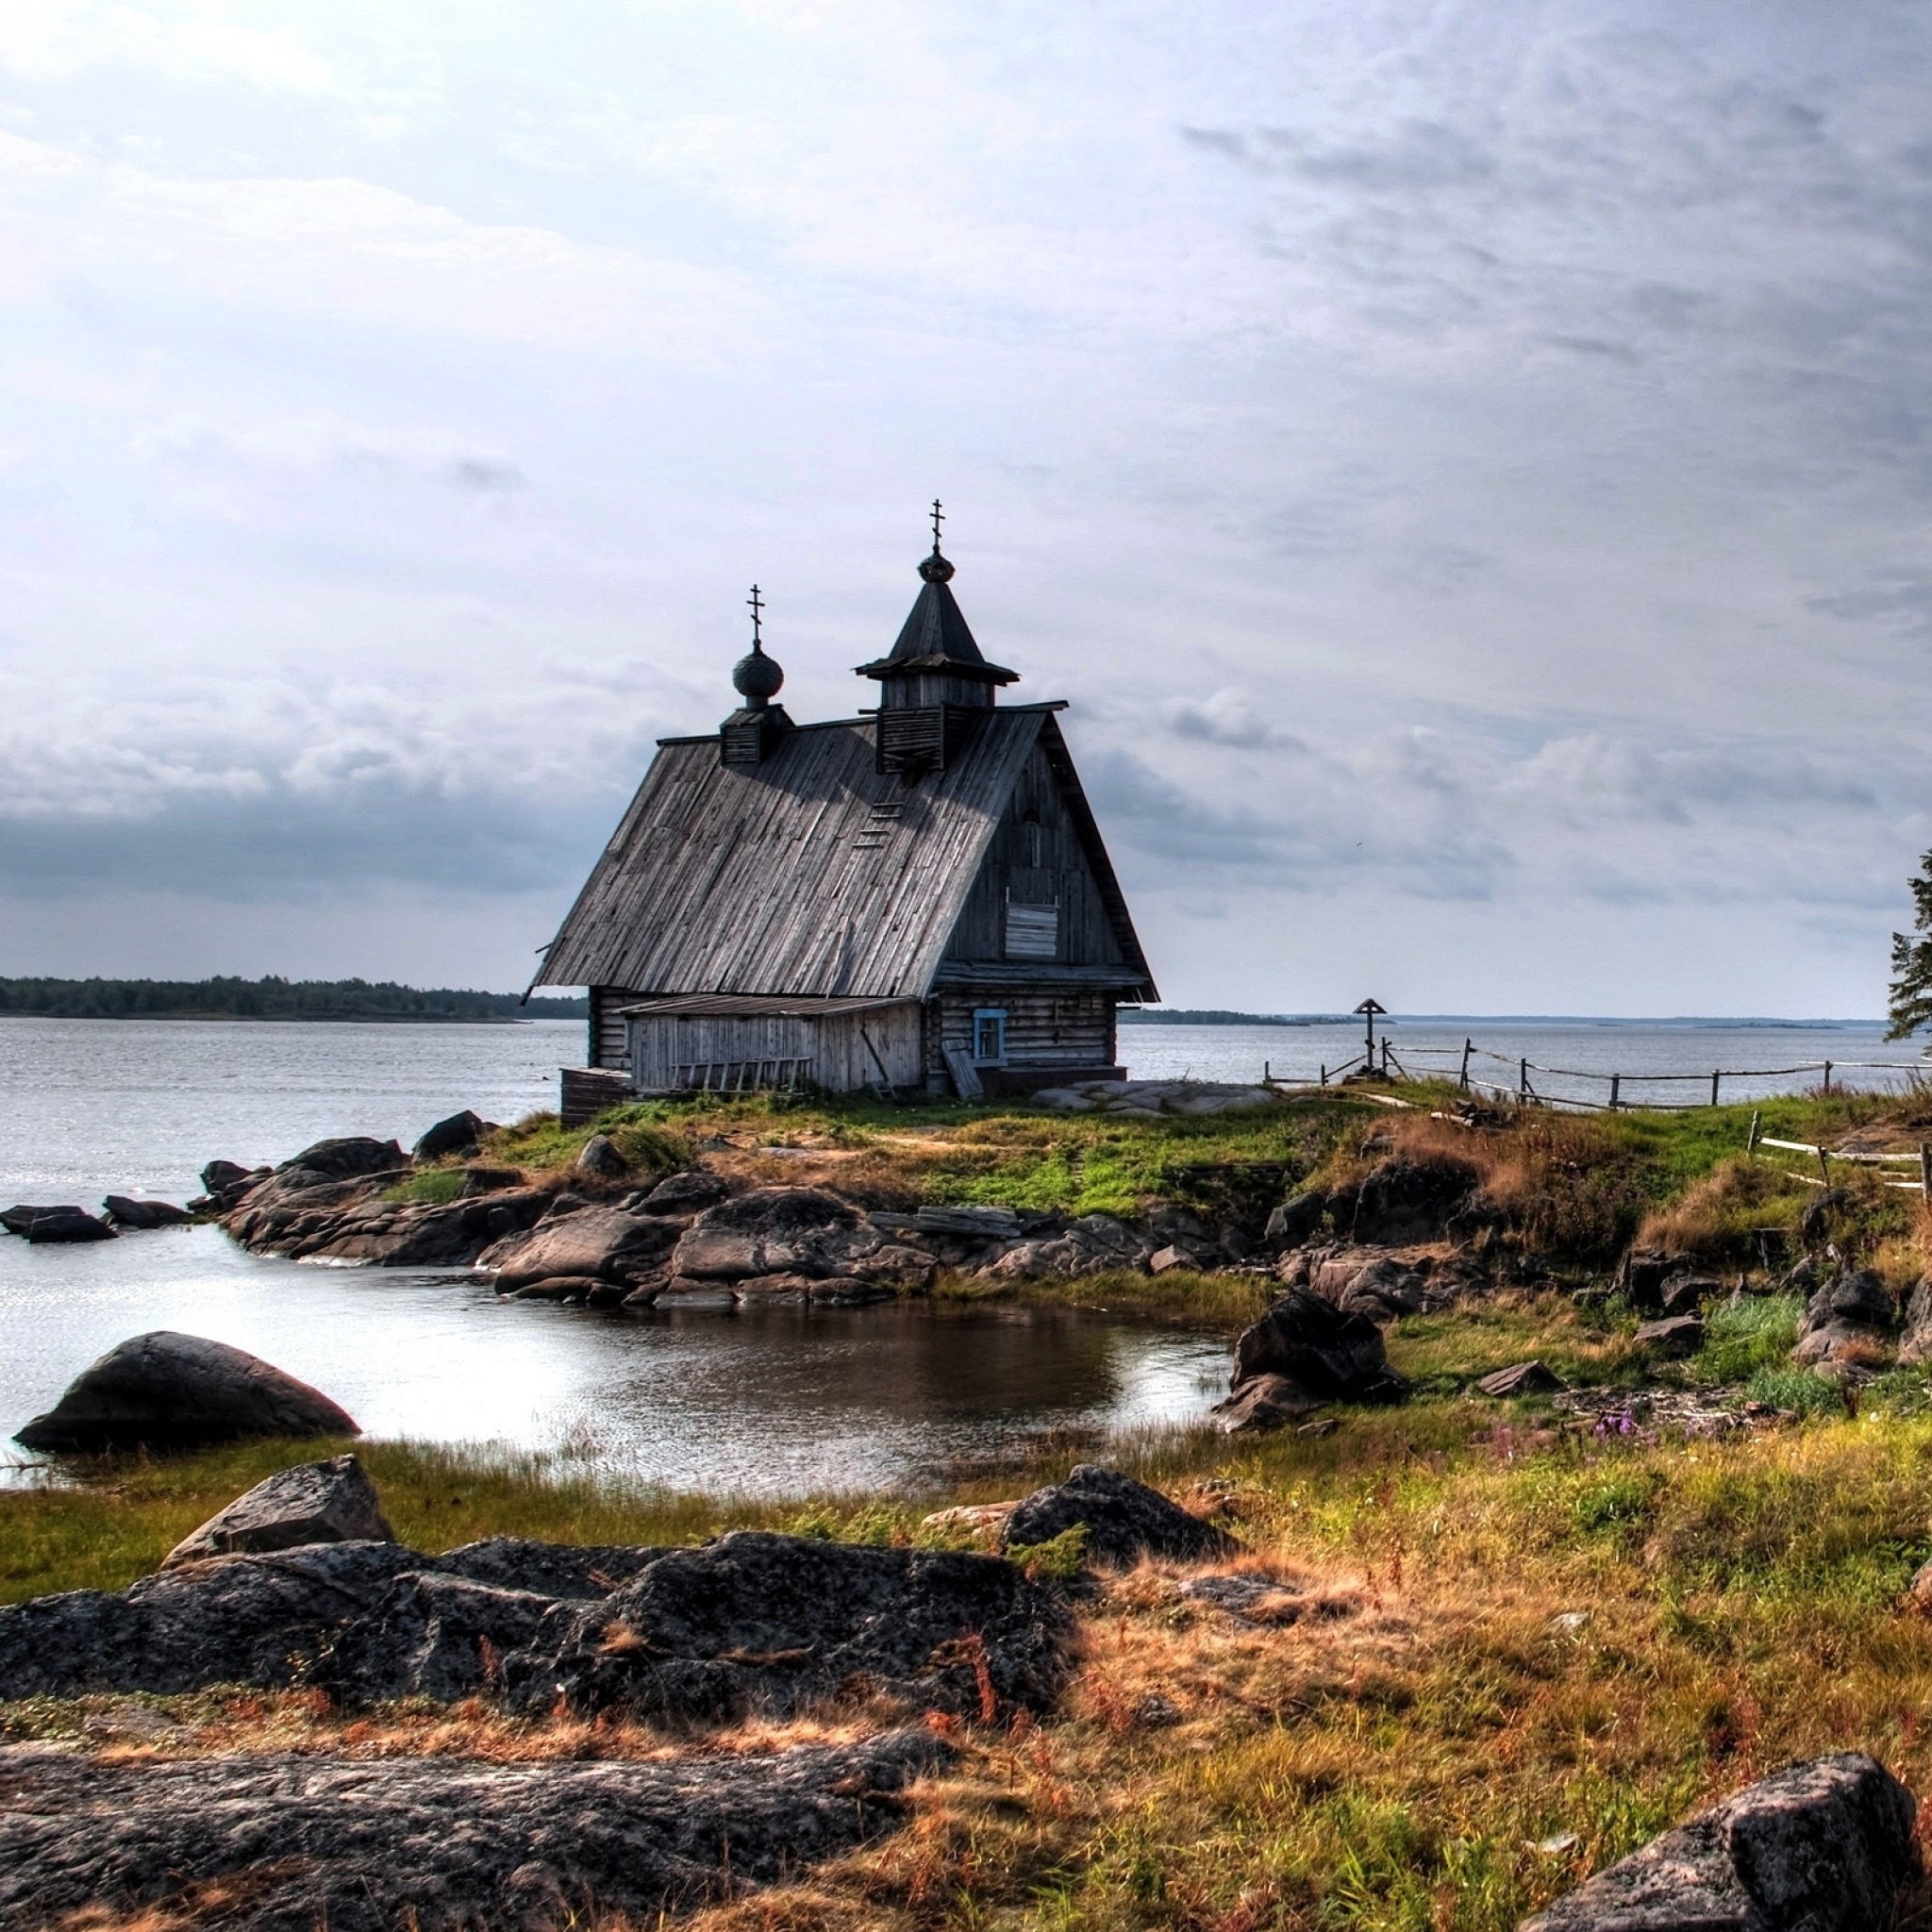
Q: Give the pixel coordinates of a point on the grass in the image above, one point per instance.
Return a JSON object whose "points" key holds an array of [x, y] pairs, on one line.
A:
{"points": [[1388, 1759]]}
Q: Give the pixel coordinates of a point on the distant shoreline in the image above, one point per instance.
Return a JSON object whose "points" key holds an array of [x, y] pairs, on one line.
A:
{"points": [[1738, 1024], [229, 997]]}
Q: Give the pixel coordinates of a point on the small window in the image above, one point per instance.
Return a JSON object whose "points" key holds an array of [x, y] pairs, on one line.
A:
{"points": [[990, 1037], [1033, 932], [1035, 847]]}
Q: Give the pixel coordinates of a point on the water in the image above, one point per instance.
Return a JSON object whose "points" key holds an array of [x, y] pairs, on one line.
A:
{"points": [[768, 1401], [1745, 1051]]}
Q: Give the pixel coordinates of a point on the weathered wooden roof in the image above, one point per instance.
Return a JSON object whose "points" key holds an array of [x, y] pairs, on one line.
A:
{"points": [[936, 636], [748, 1005], [809, 874]]}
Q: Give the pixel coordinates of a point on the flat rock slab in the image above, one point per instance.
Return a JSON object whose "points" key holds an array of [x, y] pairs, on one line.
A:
{"points": [[1823, 1846], [1675, 1335], [1124, 1520], [164, 1391], [1523, 1378], [447, 1844], [331, 1502], [750, 1621], [65, 1223]]}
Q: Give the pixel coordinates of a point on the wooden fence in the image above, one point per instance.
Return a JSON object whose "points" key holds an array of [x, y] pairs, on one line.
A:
{"points": [[1387, 1062]]}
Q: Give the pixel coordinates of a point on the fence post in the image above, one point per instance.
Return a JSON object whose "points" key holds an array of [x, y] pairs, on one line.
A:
{"points": [[1751, 1146], [1713, 1089], [1468, 1046], [1827, 1077], [1926, 1172], [1616, 1082], [1825, 1167], [1385, 1057], [1324, 1077], [1523, 1078]]}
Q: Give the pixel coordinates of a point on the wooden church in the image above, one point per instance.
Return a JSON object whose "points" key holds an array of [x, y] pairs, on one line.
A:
{"points": [[913, 899]]}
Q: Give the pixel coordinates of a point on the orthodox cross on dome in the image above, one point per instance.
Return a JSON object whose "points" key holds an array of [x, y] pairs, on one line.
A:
{"points": [[939, 516], [756, 610]]}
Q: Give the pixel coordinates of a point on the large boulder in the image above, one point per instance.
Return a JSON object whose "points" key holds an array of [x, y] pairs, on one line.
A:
{"points": [[331, 1502], [1825, 1846], [778, 1623], [1847, 1320], [349, 1157], [438, 1842], [1264, 1401], [1296, 1220], [600, 1160], [460, 1134], [53, 1224], [1413, 1199], [687, 1192], [164, 1391], [1124, 1520], [1335, 1356], [603, 1243], [775, 1232], [122, 1210], [1915, 1347]]}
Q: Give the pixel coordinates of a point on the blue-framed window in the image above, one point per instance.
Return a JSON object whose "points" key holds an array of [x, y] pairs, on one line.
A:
{"points": [[990, 1037]]}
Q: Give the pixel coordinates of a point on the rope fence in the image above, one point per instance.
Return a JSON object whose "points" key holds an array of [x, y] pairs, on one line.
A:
{"points": [[1387, 1063]]}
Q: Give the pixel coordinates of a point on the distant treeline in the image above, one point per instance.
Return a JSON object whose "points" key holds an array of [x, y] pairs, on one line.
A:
{"points": [[1215, 1016], [267, 999]]}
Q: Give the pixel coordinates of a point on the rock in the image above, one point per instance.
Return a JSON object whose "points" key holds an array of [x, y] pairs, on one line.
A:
{"points": [[1264, 1401], [1846, 1321], [1124, 1520], [353, 1157], [460, 1134], [1165, 1260], [220, 1176], [1853, 1296], [1297, 1220], [1675, 1336], [438, 1843], [168, 1390], [432, 1635], [1642, 1274], [1523, 1378], [983, 1223], [1825, 1846], [775, 1232], [975, 1516], [1919, 1592], [489, 1180], [330, 1502], [1386, 1289], [601, 1160], [586, 1571], [1816, 1220], [1684, 1294], [123, 1211], [1334, 1356], [689, 1192], [1406, 1199], [604, 1243], [260, 1620], [780, 1622], [62, 1224], [1917, 1343], [562, 1287]]}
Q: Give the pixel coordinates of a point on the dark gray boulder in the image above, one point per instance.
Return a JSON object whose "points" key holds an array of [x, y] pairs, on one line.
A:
{"points": [[1523, 1378], [1124, 1520], [331, 1502], [1685, 1293], [778, 1622], [688, 1192], [446, 1844], [599, 1159], [1673, 1337], [348, 1157], [1916, 1343], [218, 1176], [584, 1570], [1405, 1199], [168, 1390], [1335, 1356], [228, 1620], [1825, 1846], [1848, 1319], [65, 1223], [1296, 1220], [1263, 1402], [773, 1231], [432, 1635], [461, 1133], [1642, 1274], [123, 1211]]}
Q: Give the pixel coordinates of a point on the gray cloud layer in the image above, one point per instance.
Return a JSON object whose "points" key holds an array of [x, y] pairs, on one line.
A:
{"points": [[1470, 466]]}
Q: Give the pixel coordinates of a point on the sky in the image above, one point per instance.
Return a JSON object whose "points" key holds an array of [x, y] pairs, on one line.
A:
{"points": [[1467, 462]]}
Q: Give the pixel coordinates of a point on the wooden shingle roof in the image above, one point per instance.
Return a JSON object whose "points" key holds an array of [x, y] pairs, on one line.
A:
{"points": [[809, 874]]}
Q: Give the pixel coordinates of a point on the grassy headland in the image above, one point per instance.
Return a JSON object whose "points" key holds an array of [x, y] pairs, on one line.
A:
{"points": [[1514, 1645]]}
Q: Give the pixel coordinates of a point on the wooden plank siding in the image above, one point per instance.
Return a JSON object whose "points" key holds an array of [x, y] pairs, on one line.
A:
{"points": [[1047, 1026], [669, 1046]]}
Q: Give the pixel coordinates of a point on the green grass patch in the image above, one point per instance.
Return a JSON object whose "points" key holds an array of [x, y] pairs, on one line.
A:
{"points": [[437, 1186], [1744, 1339]]}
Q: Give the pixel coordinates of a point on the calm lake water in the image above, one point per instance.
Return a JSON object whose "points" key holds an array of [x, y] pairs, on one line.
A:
{"points": [[779, 1400]]}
